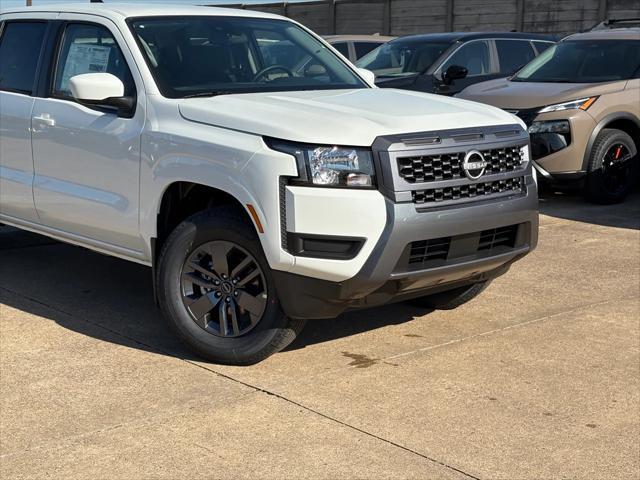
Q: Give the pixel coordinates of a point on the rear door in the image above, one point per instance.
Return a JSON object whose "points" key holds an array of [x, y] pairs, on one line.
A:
{"points": [[87, 160], [21, 45]]}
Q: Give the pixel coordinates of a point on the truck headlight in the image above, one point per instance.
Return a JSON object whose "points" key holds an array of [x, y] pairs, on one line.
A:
{"points": [[330, 166]]}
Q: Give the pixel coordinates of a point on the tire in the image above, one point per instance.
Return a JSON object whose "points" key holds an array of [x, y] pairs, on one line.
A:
{"points": [[450, 299], [610, 169], [227, 332]]}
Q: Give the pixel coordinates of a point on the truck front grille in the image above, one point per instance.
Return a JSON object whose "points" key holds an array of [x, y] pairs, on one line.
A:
{"points": [[437, 252], [507, 186], [448, 166], [428, 250], [498, 237]]}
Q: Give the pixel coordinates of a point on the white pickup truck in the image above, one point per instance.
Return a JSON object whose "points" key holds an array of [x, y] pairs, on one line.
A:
{"points": [[263, 177]]}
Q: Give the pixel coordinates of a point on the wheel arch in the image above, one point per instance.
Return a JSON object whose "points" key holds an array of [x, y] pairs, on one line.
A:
{"points": [[181, 199], [624, 121]]}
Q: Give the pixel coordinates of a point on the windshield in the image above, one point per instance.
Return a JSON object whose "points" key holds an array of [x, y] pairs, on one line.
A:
{"points": [[403, 57], [212, 55], [584, 61]]}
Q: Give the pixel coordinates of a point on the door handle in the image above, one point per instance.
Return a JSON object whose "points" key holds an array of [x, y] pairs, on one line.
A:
{"points": [[46, 120]]}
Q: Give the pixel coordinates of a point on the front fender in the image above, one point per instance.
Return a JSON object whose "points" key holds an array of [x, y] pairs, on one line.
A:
{"points": [[236, 163]]}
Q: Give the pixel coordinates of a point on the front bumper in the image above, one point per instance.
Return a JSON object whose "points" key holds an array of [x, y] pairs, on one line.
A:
{"points": [[567, 163], [388, 277]]}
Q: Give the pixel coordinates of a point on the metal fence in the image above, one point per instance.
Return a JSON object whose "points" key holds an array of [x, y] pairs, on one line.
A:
{"points": [[402, 17]]}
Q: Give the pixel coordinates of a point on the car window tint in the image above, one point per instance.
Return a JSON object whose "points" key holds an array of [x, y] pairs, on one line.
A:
{"points": [[513, 55], [213, 55], [90, 49], [542, 46], [342, 47], [362, 48], [474, 56], [20, 47]]}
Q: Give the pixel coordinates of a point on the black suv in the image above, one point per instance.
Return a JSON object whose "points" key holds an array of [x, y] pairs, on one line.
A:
{"points": [[447, 63]]}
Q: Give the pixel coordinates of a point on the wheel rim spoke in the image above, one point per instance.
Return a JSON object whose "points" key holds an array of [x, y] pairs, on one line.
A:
{"points": [[234, 318], [196, 280], [204, 271], [203, 305], [241, 266], [250, 276], [253, 305], [224, 321], [220, 262]]}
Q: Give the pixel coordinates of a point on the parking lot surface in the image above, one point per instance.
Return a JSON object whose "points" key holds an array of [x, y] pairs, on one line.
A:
{"points": [[537, 378]]}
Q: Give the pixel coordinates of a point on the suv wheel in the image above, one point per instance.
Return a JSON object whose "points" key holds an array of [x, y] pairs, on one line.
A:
{"points": [[609, 177], [450, 299], [216, 290]]}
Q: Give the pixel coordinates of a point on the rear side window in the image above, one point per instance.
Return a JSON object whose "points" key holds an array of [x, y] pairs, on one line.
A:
{"points": [[542, 46], [20, 47], [362, 48], [342, 47], [89, 48], [513, 55]]}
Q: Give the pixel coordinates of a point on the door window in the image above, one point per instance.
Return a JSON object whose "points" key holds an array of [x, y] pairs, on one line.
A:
{"points": [[362, 48], [542, 46], [342, 47], [513, 55], [474, 56], [89, 48], [20, 47]]}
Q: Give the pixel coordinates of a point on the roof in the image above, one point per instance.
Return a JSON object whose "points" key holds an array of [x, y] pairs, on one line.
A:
{"points": [[613, 34], [356, 38], [126, 10], [467, 36]]}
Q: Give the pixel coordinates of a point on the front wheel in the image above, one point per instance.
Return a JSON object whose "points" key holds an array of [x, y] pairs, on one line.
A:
{"points": [[450, 299], [610, 174], [216, 290]]}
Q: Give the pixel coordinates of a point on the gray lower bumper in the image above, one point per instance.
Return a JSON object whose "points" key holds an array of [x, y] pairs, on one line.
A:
{"points": [[381, 281]]}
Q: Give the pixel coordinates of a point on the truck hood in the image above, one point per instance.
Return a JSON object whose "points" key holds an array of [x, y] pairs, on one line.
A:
{"points": [[339, 117], [504, 93]]}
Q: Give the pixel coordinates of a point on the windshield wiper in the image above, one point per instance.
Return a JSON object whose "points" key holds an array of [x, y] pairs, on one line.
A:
{"points": [[210, 93]]}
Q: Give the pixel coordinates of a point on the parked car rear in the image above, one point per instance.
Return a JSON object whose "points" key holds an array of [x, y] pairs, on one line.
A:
{"points": [[449, 62]]}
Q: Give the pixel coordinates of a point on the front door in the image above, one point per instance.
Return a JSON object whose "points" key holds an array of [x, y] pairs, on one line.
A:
{"points": [[87, 160], [476, 57]]}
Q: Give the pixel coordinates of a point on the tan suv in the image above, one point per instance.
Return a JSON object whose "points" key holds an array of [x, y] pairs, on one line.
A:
{"points": [[581, 102]]}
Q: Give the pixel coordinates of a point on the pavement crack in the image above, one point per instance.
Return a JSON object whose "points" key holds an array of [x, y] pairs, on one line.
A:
{"points": [[245, 384], [333, 419]]}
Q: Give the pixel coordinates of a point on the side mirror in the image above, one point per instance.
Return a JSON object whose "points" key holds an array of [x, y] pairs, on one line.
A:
{"points": [[101, 90], [368, 75], [454, 72]]}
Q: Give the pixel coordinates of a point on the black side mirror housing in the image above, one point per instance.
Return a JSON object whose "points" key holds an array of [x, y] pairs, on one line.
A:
{"points": [[124, 106], [454, 72]]}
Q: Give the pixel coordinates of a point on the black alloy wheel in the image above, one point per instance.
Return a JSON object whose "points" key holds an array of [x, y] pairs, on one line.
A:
{"points": [[224, 289]]}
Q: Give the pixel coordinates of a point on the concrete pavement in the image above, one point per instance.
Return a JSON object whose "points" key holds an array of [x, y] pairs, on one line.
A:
{"points": [[537, 378]]}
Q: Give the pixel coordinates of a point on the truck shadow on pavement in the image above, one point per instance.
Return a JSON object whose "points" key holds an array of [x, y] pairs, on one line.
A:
{"points": [[111, 299]]}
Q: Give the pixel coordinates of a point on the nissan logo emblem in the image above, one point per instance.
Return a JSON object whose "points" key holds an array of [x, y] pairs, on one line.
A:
{"points": [[474, 165]]}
